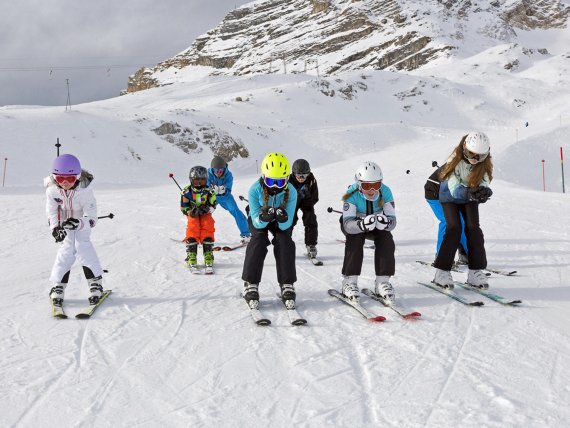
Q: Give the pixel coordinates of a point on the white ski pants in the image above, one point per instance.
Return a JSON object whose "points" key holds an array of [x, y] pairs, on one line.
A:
{"points": [[76, 245]]}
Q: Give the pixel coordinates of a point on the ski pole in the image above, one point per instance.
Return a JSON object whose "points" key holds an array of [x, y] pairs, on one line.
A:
{"points": [[331, 210], [241, 198], [110, 215], [171, 175]]}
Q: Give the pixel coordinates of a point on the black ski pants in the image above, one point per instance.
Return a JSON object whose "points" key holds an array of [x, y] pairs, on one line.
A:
{"points": [[256, 250], [473, 233], [384, 261], [310, 223]]}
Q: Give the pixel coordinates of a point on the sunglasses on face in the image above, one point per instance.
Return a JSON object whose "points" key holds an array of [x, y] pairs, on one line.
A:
{"points": [[218, 171], [371, 186], [301, 176], [474, 156], [275, 182], [65, 179]]}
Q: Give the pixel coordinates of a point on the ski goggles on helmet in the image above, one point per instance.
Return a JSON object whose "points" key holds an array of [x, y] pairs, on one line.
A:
{"points": [[301, 176], [370, 186], [65, 179], [470, 156], [275, 182], [218, 171]]}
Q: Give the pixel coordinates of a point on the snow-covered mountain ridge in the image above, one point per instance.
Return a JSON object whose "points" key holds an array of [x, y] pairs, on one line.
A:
{"points": [[331, 36]]}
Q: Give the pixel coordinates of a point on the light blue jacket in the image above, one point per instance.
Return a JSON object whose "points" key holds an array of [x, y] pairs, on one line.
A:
{"points": [[355, 207], [256, 201], [454, 188]]}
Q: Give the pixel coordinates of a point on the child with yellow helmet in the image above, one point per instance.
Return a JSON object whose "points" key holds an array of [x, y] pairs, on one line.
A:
{"points": [[272, 205]]}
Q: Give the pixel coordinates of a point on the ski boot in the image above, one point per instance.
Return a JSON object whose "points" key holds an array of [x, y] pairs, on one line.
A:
{"points": [[192, 253], [350, 288], [288, 295], [250, 292], [56, 294], [95, 289], [208, 249], [384, 289], [443, 279], [477, 278], [312, 251]]}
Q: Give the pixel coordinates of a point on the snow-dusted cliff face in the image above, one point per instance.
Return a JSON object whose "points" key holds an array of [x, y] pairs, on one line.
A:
{"points": [[331, 36]]}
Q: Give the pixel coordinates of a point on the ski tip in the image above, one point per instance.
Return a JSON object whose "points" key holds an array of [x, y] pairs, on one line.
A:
{"points": [[515, 302], [412, 315], [476, 304], [60, 316], [379, 318], [82, 316], [263, 322], [217, 249], [300, 322]]}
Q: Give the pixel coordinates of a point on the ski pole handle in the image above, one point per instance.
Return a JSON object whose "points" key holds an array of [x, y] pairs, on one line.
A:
{"points": [[330, 210], [241, 198], [110, 215], [171, 175]]}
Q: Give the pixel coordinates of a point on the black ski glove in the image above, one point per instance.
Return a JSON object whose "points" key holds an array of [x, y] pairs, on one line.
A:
{"points": [[203, 209], [480, 194], [194, 211], [70, 224], [59, 233], [281, 215], [267, 214]]}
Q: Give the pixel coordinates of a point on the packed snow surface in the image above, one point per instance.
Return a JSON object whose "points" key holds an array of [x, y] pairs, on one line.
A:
{"points": [[168, 348]]}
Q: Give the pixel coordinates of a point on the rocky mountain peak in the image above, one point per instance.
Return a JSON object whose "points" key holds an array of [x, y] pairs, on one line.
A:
{"points": [[329, 36]]}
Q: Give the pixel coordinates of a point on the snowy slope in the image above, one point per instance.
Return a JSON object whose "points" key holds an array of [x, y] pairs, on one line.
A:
{"points": [[170, 349]]}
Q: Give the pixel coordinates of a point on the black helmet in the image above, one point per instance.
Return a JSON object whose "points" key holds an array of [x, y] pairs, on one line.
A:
{"points": [[198, 172], [218, 162], [301, 166]]}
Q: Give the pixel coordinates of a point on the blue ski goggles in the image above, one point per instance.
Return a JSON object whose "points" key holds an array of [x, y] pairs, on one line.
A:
{"points": [[275, 182], [218, 171]]}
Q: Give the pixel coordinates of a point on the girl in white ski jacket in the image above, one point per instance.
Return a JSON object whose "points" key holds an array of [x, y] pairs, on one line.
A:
{"points": [[71, 209]]}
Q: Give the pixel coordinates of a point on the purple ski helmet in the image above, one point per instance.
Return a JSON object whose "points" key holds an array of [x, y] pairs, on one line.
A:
{"points": [[66, 165]]}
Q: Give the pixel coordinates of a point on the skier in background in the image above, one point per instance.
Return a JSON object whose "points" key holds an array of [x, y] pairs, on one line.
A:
{"points": [[368, 213], [432, 198], [220, 181], [272, 203], [198, 202], [465, 182], [307, 196], [72, 212]]}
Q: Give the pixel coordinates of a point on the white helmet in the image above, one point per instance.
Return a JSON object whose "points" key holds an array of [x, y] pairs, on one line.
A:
{"points": [[477, 142], [368, 172]]}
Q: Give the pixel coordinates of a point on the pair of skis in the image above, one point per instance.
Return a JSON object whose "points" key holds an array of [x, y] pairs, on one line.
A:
{"points": [[484, 292], [260, 319], [355, 304], [58, 312]]}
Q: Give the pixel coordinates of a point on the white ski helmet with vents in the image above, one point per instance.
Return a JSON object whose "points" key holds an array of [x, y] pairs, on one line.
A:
{"points": [[368, 172], [478, 142]]}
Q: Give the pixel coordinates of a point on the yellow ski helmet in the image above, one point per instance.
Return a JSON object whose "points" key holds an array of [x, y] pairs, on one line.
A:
{"points": [[275, 165]]}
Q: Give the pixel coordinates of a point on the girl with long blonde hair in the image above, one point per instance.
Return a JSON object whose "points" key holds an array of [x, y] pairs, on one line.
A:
{"points": [[464, 185]]}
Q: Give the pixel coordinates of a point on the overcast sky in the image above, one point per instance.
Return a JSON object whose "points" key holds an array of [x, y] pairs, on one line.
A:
{"points": [[94, 44]]}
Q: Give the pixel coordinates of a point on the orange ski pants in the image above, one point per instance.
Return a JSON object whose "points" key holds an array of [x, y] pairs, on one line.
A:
{"points": [[200, 227]]}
